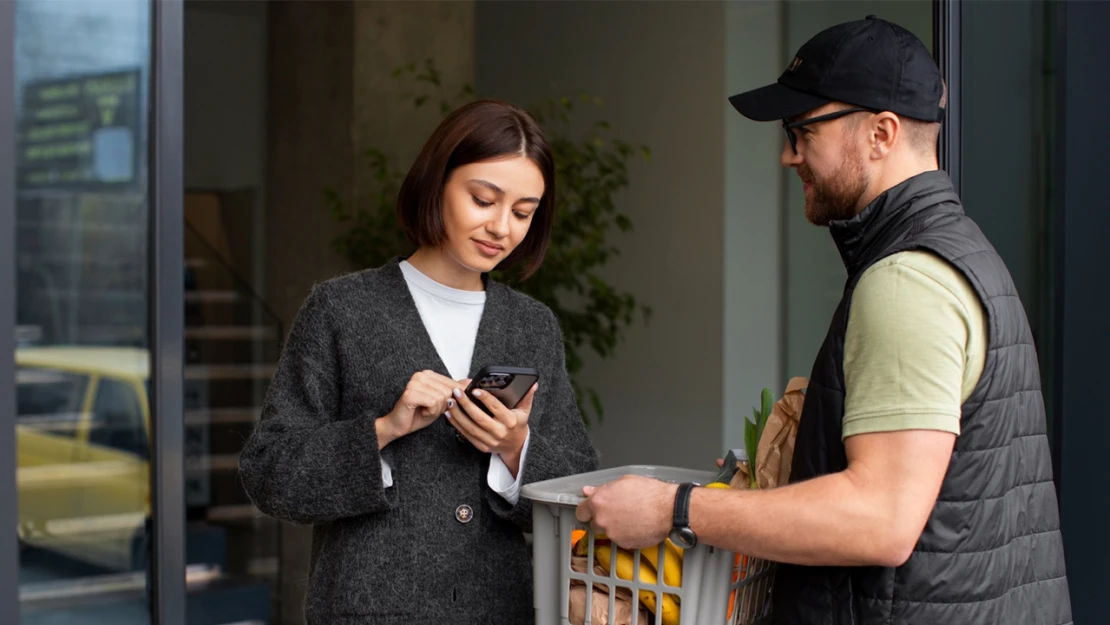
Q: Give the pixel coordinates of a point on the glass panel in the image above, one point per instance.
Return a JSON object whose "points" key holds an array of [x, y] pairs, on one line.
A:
{"points": [[232, 337], [117, 420], [49, 402], [81, 73], [814, 272], [1007, 109], [232, 343]]}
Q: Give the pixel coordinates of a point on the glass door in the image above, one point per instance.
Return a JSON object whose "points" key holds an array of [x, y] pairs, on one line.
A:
{"points": [[82, 354], [83, 217], [999, 143]]}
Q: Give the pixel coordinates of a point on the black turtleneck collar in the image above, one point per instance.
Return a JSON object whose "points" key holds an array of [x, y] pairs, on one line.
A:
{"points": [[857, 238]]}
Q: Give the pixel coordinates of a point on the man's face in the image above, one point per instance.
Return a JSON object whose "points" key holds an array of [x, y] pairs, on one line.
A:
{"points": [[830, 162]]}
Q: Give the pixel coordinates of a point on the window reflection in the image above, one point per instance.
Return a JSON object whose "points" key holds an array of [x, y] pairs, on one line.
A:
{"points": [[49, 402], [82, 428]]}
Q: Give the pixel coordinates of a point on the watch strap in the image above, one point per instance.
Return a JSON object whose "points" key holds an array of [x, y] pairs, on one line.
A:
{"points": [[682, 505]]}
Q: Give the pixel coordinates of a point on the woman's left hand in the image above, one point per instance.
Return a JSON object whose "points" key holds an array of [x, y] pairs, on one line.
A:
{"points": [[504, 433]]}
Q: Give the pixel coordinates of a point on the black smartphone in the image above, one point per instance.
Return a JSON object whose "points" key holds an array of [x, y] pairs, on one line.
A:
{"points": [[508, 384]]}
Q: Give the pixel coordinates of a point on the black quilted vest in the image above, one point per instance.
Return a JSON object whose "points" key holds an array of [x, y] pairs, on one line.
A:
{"points": [[991, 551]]}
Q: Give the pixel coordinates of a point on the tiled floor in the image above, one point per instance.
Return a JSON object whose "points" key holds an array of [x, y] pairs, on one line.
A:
{"points": [[217, 603]]}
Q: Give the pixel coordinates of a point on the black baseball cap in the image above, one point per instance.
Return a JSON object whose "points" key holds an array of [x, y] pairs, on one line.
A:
{"points": [[869, 63]]}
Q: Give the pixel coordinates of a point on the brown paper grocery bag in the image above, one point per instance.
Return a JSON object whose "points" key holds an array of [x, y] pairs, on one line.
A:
{"points": [[599, 612], [775, 451], [742, 479]]}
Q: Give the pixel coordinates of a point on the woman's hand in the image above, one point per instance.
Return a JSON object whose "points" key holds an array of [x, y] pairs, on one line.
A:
{"points": [[504, 433], [427, 396]]}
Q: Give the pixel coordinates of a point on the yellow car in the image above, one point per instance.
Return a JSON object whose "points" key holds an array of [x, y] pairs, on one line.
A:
{"points": [[83, 452]]}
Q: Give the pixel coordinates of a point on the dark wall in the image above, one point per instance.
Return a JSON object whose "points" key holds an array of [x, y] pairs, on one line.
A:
{"points": [[1083, 337]]}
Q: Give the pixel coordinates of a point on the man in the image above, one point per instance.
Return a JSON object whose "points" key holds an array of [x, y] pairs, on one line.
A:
{"points": [[921, 488]]}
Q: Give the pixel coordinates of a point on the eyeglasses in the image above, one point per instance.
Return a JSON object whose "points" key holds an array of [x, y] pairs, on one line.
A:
{"points": [[789, 127]]}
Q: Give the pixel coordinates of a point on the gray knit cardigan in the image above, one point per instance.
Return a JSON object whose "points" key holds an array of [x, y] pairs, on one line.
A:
{"points": [[405, 554]]}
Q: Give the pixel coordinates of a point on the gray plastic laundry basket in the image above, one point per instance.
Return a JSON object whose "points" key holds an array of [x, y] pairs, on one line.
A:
{"points": [[709, 575]]}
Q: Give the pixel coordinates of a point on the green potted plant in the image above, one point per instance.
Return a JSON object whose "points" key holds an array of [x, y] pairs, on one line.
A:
{"points": [[591, 167]]}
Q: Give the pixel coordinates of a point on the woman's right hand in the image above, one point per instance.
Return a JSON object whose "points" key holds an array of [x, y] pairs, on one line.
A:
{"points": [[427, 396]]}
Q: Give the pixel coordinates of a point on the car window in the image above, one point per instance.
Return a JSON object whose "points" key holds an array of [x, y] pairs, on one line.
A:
{"points": [[49, 401], [117, 419]]}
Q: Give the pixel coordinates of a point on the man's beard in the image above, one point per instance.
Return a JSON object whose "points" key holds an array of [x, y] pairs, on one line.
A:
{"points": [[837, 196]]}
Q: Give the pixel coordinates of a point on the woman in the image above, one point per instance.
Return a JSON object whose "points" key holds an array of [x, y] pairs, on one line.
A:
{"points": [[417, 518]]}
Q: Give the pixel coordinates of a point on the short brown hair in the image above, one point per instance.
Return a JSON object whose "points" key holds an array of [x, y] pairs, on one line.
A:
{"points": [[924, 136], [476, 132]]}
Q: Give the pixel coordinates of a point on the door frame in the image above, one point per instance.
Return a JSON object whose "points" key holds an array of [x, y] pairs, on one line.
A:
{"points": [[166, 255], [946, 51], [165, 258], [9, 516]]}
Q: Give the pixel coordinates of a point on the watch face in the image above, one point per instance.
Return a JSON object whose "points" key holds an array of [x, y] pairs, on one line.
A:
{"points": [[684, 537]]}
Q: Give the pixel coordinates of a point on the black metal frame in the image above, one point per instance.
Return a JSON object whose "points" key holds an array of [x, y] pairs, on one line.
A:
{"points": [[165, 257], [1081, 299], [166, 280], [9, 498], [1059, 228], [946, 51], [1080, 256]]}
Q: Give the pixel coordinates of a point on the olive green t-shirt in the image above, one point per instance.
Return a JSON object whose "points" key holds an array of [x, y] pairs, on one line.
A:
{"points": [[915, 346]]}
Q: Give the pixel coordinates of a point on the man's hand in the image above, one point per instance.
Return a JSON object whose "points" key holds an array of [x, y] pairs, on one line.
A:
{"points": [[634, 512]]}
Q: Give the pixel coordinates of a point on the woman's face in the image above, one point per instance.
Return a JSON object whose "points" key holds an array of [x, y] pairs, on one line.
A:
{"points": [[487, 209]]}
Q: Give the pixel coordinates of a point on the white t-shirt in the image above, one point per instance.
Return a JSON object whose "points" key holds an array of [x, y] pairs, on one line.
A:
{"points": [[451, 317]]}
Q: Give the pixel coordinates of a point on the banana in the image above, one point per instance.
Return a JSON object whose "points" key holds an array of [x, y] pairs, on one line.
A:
{"points": [[717, 485], [625, 568], [576, 537], [582, 544], [672, 565]]}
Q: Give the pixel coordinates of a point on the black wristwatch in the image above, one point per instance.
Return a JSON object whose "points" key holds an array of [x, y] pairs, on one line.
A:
{"points": [[681, 535]]}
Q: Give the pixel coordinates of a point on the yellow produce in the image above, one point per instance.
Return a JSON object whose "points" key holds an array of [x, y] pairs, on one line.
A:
{"points": [[716, 485], [672, 565], [625, 568], [576, 537], [581, 543]]}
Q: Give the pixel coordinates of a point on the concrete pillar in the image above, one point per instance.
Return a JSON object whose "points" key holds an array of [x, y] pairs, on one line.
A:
{"points": [[659, 68], [311, 103], [754, 247], [389, 35], [331, 96]]}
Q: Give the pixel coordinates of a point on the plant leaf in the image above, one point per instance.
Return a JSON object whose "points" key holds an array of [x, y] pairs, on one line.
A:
{"points": [[749, 434], [751, 444], [768, 399]]}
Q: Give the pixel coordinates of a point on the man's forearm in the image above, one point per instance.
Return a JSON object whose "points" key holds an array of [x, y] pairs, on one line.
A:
{"points": [[827, 521]]}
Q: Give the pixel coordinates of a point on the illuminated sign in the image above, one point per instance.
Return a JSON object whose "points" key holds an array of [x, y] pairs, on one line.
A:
{"points": [[80, 132]]}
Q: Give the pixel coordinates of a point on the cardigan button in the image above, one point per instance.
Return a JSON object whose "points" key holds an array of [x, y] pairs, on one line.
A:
{"points": [[464, 514]]}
